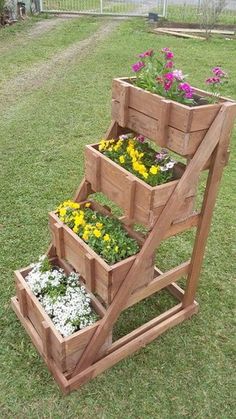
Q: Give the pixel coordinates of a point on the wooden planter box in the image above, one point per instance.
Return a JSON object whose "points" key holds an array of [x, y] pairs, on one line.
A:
{"points": [[102, 279], [64, 352], [179, 127], [140, 202]]}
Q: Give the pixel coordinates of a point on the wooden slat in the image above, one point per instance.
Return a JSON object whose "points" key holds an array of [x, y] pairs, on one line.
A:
{"points": [[158, 283], [124, 105], [59, 239], [90, 271], [21, 294], [176, 291], [164, 122], [46, 341], [130, 197]]}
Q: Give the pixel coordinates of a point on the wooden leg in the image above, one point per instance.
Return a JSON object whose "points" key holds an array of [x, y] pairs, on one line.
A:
{"points": [[215, 173]]}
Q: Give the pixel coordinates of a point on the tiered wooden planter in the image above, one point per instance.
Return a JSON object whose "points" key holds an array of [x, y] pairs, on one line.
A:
{"points": [[100, 278], [173, 125], [141, 202], [63, 352], [201, 134]]}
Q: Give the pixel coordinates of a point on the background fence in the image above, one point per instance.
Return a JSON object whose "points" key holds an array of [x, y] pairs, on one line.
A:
{"points": [[190, 11]]}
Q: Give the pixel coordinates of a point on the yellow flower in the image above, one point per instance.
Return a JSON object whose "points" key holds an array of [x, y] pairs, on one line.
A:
{"points": [[85, 236], [122, 159], [154, 170], [75, 229], [116, 249], [145, 175], [97, 233], [87, 205], [62, 212], [99, 225], [106, 238]]}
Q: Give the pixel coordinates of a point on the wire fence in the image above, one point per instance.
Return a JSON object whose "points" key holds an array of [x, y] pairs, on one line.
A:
{"points": [[191, 11]]}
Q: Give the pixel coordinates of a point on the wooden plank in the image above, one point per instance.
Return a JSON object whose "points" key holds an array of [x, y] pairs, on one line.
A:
{"points": [[131, 347], [164, 121], [124, 102], [178, 34], [191, 30], [59, 239], [162, 224], [158, 283], [130, 197], [213, 181], [21, 294], [46, 341]]}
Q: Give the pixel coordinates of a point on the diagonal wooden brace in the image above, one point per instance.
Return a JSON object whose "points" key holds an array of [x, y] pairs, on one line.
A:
{"points": [[155, 237]]}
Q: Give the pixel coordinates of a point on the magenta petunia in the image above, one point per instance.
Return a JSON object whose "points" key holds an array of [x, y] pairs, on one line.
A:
{"points": [[168, 85], [169, 76], [213, 80], [169, 55], [169, 64], [219, 72], [138, 66], [147, 53], [140, 138], [187, 89], [178, 75]]}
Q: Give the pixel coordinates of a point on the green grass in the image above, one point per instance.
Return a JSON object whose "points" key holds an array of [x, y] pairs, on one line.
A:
{"points": [[188, 372]]}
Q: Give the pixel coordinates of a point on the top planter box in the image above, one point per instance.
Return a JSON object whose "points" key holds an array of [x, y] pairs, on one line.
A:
{"points": [[170, 124]]}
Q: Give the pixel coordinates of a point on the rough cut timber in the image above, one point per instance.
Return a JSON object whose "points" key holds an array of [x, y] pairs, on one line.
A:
{"points": [[179, 127], [64, 352], [100, 278], [141, 202]]}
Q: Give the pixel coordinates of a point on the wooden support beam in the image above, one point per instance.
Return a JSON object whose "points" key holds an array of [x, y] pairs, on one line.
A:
{"points": [[158, 283], [154, 239], [124, 105], [83, 191], [59, 238], [215, 173], [164, 121], [22, 300]]}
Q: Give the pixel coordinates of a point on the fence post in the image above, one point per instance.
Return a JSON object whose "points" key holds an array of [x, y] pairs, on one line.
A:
{"points": [[101, 7], [40, 5], [165, 7]]}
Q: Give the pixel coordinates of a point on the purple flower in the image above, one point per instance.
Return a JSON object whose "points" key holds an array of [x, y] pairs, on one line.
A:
{"points": [[169, 64], [147, 53], [169, 77], [168, 85], [213, 80], [178, 75], [140, 138], [138, 66], [169, 55], [219, 72], [187, 89], [165, 50]]}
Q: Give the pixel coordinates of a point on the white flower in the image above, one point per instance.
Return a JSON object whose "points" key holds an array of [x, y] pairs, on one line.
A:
{"points": [[70, 310]]}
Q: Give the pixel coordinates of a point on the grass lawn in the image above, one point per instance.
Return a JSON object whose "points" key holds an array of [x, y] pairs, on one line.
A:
{"points": [[188, 372]]}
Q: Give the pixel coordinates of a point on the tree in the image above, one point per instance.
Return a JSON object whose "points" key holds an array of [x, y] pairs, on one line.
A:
{"points": [[210, 12]]}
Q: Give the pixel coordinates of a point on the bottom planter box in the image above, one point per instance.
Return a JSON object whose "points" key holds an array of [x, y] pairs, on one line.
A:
{"points": [[63, 352], [102, 279]]}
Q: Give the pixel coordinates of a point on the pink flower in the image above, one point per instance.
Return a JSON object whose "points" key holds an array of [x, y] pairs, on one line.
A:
{"points": [[167, 85], [169, 64], [187, 89], [178, 75], [213, 80], [147, 53], [138, 66], [165, 49], [140, 138], [169, 55], [219, 72], [169, 76], [159, 79]]}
